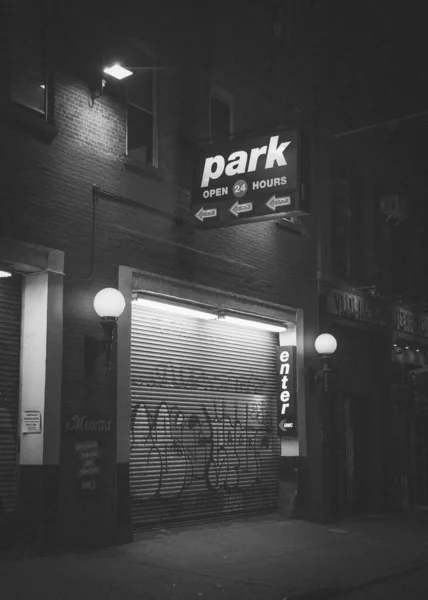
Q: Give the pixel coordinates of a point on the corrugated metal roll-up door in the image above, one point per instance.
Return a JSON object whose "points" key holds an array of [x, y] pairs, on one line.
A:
{"points": [[10, 339], [203, 435]]}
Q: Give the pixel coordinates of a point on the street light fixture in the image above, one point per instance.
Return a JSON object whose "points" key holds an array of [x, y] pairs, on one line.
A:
{"points": [[325, 345], [109, 304]]}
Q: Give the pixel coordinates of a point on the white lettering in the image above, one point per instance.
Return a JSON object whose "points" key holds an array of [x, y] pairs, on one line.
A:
{"points": [[285, 396], [209, 173], [254, 156], [275, 153], [284, 369], [237, 163]]}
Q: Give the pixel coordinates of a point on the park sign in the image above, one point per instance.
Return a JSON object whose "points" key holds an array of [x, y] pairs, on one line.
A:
{"points": [[245, 180]]}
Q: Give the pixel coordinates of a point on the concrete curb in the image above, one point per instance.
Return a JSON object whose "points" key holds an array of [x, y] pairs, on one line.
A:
{"points": [[330, 592]]}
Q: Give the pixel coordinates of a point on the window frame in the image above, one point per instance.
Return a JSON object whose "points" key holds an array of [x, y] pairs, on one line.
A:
{"points": [[155, 134], [47, 113], [226, 98]]}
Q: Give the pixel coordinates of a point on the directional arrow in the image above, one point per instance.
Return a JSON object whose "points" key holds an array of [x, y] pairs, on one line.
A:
{"points": [[206, 213], [274, 202], [237, 208], [284, 425]]}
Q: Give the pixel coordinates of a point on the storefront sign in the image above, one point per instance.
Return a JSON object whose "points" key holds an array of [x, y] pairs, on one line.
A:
{"points": [[85, 423], [360, 308], [405, 320], [245, 180], [88, 440], [31, 421], [287, 401], [356, 307]]}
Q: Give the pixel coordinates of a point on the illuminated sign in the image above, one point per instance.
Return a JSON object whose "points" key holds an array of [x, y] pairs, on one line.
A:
{"points": [[245, 180], [287, 404]]}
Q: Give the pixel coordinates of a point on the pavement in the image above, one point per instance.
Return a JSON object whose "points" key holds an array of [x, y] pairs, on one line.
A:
{"points": [[256, 558]]}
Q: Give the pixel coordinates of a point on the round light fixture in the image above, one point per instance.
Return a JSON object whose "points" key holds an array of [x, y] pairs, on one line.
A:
{"points": [[325, 343], [109, 302]]}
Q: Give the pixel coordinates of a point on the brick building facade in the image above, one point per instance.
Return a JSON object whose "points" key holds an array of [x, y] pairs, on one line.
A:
{"points": [[373, 299], [88, 204]]}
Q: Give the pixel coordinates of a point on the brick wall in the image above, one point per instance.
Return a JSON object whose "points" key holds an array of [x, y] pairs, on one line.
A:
{"points": [[47, 200]]}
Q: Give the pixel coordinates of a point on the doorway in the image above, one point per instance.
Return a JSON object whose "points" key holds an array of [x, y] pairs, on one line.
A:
{"points": [[357, 452]]}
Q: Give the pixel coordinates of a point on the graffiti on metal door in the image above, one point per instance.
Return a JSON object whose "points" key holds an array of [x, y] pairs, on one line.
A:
{"points": [[212, 457]]}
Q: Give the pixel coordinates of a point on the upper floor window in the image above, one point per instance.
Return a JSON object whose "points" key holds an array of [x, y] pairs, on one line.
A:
{"points": [[141, 114], [27, 35], [220, 116]]}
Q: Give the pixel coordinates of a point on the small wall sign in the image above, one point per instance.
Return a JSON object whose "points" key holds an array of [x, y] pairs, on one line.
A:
{"points": [[88, 442], [287, 401], [88, 453], [31, 421]]}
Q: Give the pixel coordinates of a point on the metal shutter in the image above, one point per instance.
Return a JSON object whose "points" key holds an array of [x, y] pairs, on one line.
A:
{"points": [[10, 336], [203, 435]]}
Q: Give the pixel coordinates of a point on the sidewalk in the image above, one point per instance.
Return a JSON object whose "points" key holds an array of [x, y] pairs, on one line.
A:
{"points": [[257, 558]]}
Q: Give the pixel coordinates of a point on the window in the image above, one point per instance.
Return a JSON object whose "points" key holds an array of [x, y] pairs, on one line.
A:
{"points": [[27, 36], [141, 114], [220, 117]]}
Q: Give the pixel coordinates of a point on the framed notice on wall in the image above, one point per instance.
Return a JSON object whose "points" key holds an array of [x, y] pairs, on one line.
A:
{"points": [[287, 398], [31, 421]]}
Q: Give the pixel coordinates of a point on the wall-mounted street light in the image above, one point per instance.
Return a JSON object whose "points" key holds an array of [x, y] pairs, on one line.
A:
{"points": [[5, 274], [109, 304], [117, 71], [325, 345]]}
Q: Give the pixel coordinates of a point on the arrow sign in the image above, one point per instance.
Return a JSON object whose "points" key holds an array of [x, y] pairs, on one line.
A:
{"points": [[237, 208], [206, 213], [285, 425], [274, 202]]}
